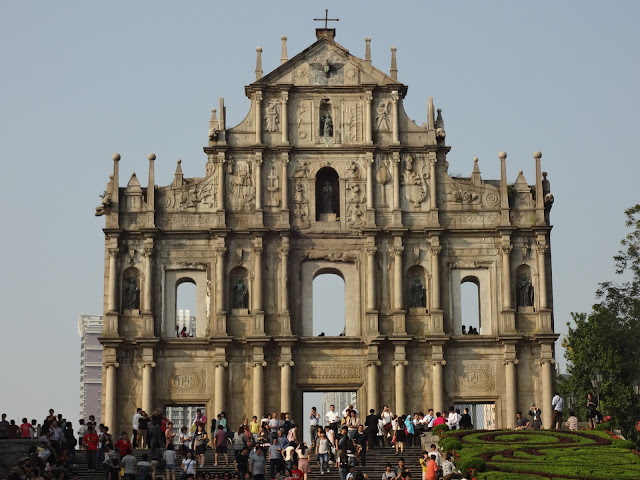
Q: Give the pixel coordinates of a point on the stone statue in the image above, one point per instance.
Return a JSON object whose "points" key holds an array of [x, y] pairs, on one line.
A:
{"points": [[525, 292], [272, 117], [382, 120], [131, 297], [418, 294], [326, 126], [240, 294], [327, 198]]}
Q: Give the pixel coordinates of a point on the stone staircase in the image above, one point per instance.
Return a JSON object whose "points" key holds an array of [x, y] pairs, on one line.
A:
{"points": [[376, 461]]}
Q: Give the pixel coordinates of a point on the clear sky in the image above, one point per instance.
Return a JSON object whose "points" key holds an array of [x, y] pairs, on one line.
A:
{"points": [[81, 80]]}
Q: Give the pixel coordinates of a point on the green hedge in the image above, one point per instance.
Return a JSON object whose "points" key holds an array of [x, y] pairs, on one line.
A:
{"points": [[625, 444], [604, 426], [468, 463], [449, 443], [440, 428]]}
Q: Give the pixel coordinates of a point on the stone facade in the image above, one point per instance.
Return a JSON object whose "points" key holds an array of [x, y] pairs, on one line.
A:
{"points": [[327, 174]]}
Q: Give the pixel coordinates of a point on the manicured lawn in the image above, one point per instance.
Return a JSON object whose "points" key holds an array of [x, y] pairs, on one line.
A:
{"points": [[544, 455]]}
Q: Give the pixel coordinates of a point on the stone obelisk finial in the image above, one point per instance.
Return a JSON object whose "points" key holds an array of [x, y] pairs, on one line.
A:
{"points": [[258, 63], [367, 50], [284, 58], [394, 64]]}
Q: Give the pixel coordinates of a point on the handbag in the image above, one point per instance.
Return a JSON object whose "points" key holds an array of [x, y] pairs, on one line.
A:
{"points": [[387, 426], [393, 439]]}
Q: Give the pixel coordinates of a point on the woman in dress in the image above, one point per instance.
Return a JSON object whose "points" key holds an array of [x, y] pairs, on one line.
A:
{"points": [[169, 434], [200, 440], [303, 459], [398, 432]]}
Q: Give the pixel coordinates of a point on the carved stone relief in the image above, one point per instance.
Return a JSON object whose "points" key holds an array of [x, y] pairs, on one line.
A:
{"points": [[415, 177], [383, 116], [273, 188], [355, 205], [301, 206], [241, 191], [338, 371], [383, 177], [272, 117], [187, 380], [199, 196], [475, 378]]}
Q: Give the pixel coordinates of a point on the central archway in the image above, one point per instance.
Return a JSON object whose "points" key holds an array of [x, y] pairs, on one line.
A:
{"points": [[328, 303]]}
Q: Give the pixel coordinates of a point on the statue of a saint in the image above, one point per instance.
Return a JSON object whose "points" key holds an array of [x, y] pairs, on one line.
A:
{"points": [[326, 126], [418, 294], [525, 292], [272, 117], [240, 294], [131, 297], [327, 198]]}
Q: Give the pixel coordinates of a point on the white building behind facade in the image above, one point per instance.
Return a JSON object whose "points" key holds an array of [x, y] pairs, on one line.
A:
{"points": [[89, 329]]}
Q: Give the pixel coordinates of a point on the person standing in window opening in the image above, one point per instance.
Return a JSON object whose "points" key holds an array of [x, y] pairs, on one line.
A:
{"points": [[465, 421], [464, 330], [314, 421], [183, 332]]}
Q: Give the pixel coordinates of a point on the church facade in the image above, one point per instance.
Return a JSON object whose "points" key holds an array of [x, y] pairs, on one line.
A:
{"points": [[327, 174]]}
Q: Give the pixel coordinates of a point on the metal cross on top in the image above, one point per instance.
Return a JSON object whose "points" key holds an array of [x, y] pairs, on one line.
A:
{"points": [[326, 18]]}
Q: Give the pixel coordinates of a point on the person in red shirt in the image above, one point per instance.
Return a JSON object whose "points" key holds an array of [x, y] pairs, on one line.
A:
{"points": [[25, 429], [432, 467], [91, 441], [14, 430], [439, 419], [123, 445]]}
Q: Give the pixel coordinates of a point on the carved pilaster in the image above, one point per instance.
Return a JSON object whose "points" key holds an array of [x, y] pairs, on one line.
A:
{"points": [[258, 106], [396, 124], [285, 124], [113, 279]]}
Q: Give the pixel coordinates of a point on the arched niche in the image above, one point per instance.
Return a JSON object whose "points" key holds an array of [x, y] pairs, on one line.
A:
{"points": [[327, 194], [524, 290], [480, 278], [186, 306], [172, 279], [239, 298], [329, 302], [416, 288], [349, 273], [130, 298]]}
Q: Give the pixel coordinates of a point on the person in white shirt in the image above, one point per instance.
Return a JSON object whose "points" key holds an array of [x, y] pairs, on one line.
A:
{"points": [[274, 425], [333, 419], [136, 418], [454, 419], [129, 463], [170, 461], [314, 422], [82, 430], [387, 425], [185, 440]]}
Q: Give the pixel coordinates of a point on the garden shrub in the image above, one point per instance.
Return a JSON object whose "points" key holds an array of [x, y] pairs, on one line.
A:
{"points": [[449, 443], [625, 444], [468, 463], [604, 426], [440, 428]]}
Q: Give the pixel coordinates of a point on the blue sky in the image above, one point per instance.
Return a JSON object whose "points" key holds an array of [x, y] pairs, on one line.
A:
{"points": [[82, 80]]}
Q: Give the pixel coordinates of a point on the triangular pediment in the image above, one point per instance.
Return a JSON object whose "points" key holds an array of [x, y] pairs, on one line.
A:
{"points": [[325, 63]]}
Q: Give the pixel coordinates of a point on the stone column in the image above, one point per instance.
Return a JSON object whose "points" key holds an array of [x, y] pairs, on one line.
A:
{"points": [[432, 182], [258, 100], [113, 279], [146, 302], [258, 180], [511, 396], [435, 277], [369, 160], [506, 277], [285, 386], [371, 286], [284, 275], [110, 395], [220, 279], [258, 381], [397, 274], [220, 173], [400, 364], [547, 393], [438, 388], [147, 386], [257, 279], [367, 117], [541, 250], [284, 181], [219, 394], [284, 123], [396, 180], [372, 383], [394, 112]]}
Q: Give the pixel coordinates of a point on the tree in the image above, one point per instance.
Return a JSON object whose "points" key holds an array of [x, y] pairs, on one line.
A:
{"points": [[608, 338]]}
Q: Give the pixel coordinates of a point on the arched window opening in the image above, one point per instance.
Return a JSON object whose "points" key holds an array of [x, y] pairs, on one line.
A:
{"points": [[470, 305], [416, 287], [327, 195], [186, 308], [239, 291], [329, 305]]}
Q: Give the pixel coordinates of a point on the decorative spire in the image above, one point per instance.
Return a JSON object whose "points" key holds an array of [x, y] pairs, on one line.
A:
{"points": [[151, 184], [430, 115], [284, 57], [177, 181], [367, 50], [258, 63], [476, 179], [394, 64], [440, 133]]}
